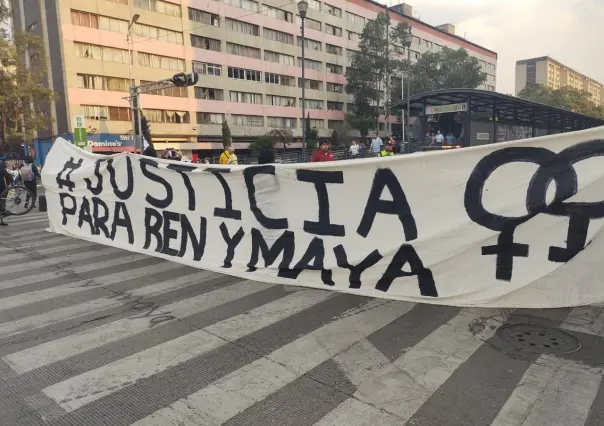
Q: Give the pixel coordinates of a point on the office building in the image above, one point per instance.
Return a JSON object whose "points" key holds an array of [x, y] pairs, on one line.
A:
{"points": [[246, 52], [553, 74]]}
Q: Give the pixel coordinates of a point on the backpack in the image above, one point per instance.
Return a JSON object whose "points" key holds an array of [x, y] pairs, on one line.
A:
{"points": [[27, 173]]}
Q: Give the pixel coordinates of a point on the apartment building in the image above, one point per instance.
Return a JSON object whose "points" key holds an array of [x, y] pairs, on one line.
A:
{"points": [[553, 74], [247, 53]]}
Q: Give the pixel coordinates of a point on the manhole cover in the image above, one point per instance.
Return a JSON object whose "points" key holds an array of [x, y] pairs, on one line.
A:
{"points": [[537, 339]]}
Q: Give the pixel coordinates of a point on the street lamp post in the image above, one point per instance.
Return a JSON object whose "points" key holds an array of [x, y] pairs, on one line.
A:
{"points": [[407, 43], [302, 8], [134, 107]]}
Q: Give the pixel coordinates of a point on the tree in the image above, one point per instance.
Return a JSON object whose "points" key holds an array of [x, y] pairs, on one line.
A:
{"points": [[566, 97], [380, 58], [447, 69], [335, 138], [264, 142], [226, 134], [20, 85], [281, 136]]}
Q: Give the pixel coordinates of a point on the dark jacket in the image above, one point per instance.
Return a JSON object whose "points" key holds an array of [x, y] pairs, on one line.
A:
{"points": [[5, 177]]}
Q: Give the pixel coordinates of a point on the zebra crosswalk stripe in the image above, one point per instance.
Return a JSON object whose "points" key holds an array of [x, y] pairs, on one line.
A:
{"points": [[241, 367]]}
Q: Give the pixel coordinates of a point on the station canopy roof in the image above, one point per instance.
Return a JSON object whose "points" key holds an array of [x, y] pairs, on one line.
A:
{"points": [[509, 108]]}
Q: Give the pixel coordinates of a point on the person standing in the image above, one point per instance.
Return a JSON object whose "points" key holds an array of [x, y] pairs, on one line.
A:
{"points": [[233, 160], [354, 149], [29, 175], [224, 157], [376, 144], [439, 138], [387, 151], [322, 154]]}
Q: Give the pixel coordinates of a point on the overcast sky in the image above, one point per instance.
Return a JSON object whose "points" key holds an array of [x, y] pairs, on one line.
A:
{"points": [[570, 31]]}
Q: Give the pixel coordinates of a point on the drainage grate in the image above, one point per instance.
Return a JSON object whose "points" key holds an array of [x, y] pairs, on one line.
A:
{"points": [[536, 339]]}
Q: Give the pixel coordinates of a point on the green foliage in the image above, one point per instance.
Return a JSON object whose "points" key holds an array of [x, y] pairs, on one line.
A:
{"points": [[565, 97], [226, 134], [373, 68], [281, 137], [335, 139], [21, 85], [262, 143], [447, 69], [312, 135]]}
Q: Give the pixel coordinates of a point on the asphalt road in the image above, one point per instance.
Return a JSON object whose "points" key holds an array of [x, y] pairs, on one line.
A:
{"points": [[93, 335]]}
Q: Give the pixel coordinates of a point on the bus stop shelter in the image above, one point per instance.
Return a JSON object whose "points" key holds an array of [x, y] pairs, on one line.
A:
{"points": [[478, 117]]}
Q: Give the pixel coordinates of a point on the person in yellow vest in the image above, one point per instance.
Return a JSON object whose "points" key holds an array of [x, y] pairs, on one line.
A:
{"points": [[386, 151], [228, 156], [224, 157]]}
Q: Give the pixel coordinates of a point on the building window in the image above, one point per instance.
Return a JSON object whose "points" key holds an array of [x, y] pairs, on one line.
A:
{"points": [[311, 84], [281, 122], [204, 17], [247, 120], [309, 23], [84, 19], [159, 6], [205, 43], [279, 58], [311, 64], [429, 44], [334, 69], [245, 97], [163, 62], [157, 89], [335, 124], [333, 11], [335, 106], [312, 103], [96, 112], [330, 29], [99, 82], [124, 2], [334, 50], [315, 4], [352, 36], [209, 118], [156, 33], [414, 55], [282, 80], [243, 74], [242, 27], [208, 93], [282, 101], [91, 20], [101, 53], [282, 15], [310, 44], [355, 19], [438, 47], [250, 5], [241, 50], [316, 123], [166, 116], [279, 36], [335, 87], [207, 69]]}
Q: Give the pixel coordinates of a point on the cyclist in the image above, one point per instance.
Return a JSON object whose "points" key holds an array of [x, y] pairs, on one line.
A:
{"points": [[5, 180]]}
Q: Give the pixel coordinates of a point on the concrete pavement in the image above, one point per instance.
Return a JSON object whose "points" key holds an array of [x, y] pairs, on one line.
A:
{"points": [[92, 335]]}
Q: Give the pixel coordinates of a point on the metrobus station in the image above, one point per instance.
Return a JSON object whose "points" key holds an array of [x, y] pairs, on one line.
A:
{"points": [[479, 117]]}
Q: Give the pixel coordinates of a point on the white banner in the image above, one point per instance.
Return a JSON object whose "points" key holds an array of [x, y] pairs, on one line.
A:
{"points": [[505, 225]]}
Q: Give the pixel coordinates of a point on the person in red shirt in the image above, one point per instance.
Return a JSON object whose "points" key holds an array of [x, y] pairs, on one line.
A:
{"points": [[322, 154]]}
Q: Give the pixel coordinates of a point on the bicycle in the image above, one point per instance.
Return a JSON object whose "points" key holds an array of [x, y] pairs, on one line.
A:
{"points": [[16, 200]]}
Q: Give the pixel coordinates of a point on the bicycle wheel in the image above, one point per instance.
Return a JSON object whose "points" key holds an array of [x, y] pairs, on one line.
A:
{"points": [[16, 201]]}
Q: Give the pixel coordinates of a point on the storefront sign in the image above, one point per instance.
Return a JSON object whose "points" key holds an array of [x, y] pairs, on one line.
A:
{"points": [[441, 109]]}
